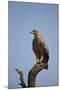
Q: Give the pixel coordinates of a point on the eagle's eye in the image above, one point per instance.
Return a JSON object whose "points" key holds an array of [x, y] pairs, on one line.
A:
{"points": [[34, 32]]}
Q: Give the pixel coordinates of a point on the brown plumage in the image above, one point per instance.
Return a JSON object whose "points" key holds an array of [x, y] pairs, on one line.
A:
{"points": [[40, 48]]}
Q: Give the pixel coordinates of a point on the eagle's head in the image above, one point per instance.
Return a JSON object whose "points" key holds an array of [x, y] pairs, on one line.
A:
{"points": [[35, 33]]}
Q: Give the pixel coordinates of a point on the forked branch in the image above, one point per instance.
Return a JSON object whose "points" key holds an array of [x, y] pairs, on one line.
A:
{"points": [[22, 83]]}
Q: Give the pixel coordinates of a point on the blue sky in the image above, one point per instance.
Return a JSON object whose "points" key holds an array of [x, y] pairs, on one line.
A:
{"points": [[22, 18]]}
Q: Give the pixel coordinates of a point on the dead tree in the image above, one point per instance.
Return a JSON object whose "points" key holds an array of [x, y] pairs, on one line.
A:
{"points": [[31, 75]]}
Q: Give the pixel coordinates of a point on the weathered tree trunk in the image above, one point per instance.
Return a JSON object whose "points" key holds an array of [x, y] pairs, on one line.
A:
{"points": [[32, 75]]}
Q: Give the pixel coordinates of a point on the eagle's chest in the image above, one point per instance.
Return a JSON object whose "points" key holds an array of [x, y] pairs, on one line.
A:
{"points": [[36, 45]]}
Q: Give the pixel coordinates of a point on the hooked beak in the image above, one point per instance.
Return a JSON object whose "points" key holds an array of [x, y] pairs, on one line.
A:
{"points": [[31, 33]]}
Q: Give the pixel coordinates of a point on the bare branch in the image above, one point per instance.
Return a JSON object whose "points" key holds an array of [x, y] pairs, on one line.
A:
{"points": [[21, 78]]}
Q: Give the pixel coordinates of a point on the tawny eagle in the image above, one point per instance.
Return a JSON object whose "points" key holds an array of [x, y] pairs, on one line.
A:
{"points": [[40, 48]]}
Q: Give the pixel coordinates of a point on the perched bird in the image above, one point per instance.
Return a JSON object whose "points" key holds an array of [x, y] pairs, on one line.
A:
{"points": [[40, 48]]}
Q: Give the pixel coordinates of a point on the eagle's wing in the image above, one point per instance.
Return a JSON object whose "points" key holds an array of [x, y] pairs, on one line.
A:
{"points": [[36, 48], [44, 44], [45, 50]]}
